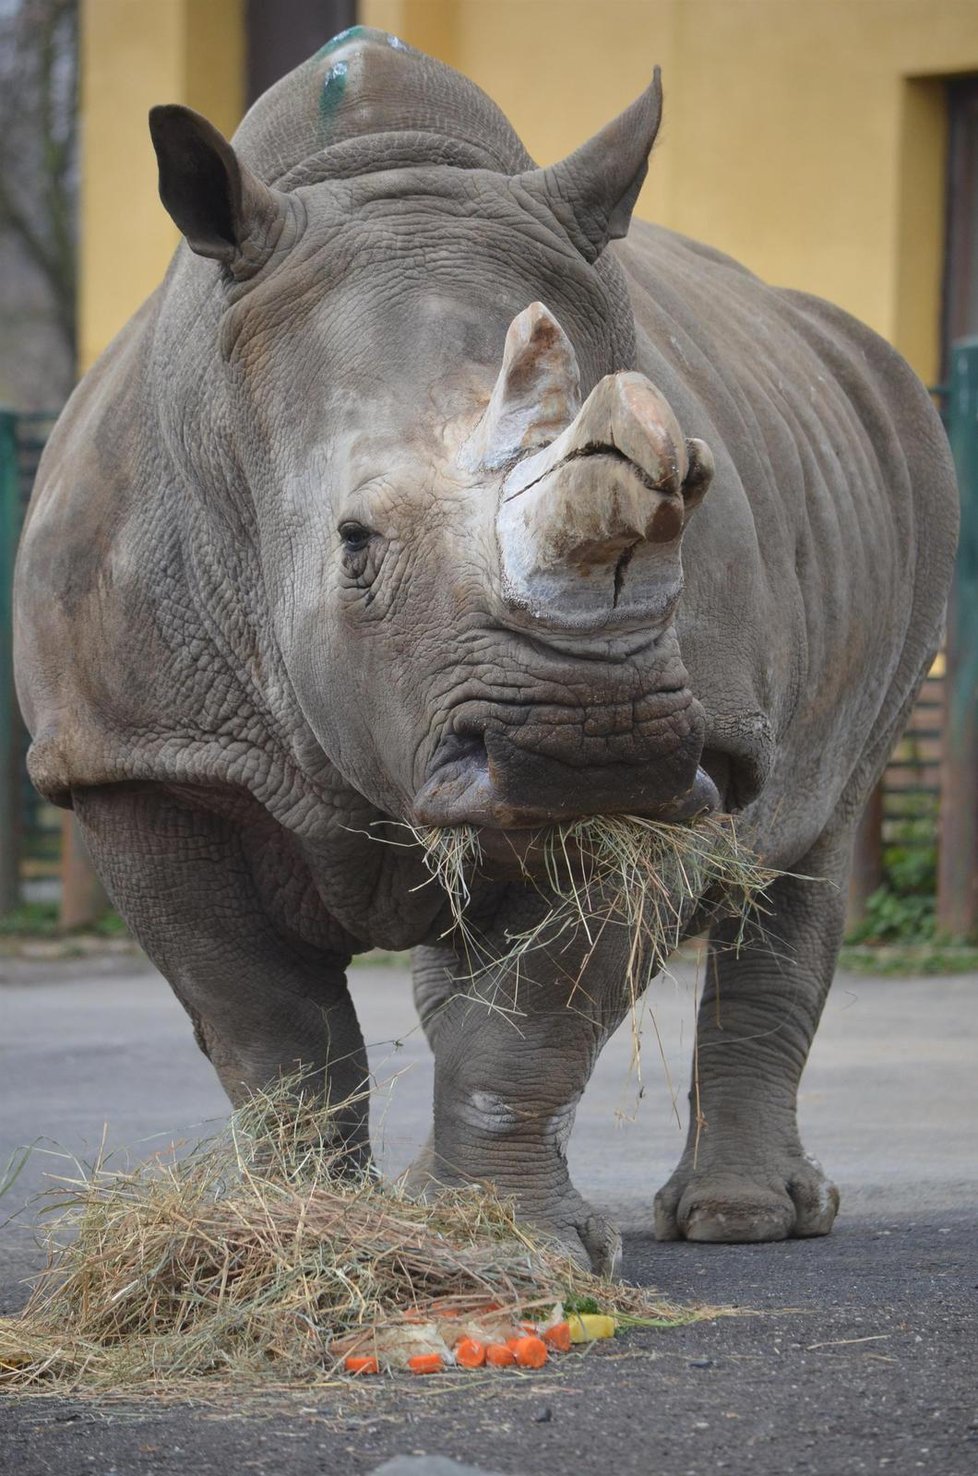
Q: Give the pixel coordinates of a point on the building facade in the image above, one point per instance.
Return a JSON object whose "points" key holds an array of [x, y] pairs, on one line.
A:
{"points": [[808, 138]]}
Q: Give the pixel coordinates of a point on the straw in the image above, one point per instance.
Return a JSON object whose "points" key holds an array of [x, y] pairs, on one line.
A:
{"points": [[248, 1260]]}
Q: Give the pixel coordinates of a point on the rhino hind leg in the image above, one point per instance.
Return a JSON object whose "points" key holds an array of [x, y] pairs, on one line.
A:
{"points": [[262, 1002], [744, 1175]]}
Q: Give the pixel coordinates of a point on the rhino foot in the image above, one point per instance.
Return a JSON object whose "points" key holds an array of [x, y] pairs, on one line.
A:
{"points": [[574, 1225], [582, 1232], [794, 1199]]}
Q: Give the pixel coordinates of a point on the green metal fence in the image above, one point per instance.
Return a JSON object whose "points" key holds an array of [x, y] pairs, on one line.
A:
{"points": [[28, 829], [958, 864], [9, 807]]}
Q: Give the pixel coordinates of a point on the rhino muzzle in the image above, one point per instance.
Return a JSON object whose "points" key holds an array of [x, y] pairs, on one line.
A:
{"points": [[496, 786], [502, 766]]}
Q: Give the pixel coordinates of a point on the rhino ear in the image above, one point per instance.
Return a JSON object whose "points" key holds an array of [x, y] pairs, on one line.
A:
{"points": [[222, 209], [593, 191]]}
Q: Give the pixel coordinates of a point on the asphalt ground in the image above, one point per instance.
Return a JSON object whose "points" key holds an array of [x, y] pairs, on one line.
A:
{"points": [[854, 1353]]}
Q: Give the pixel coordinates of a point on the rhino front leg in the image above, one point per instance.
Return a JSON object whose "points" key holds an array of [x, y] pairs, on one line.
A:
{"points": [[513, 1054], [263, 1003], [744, 1175], [435, 975]]}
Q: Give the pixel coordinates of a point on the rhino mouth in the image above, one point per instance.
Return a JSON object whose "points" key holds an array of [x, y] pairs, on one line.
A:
{"points": [[510, 796]]}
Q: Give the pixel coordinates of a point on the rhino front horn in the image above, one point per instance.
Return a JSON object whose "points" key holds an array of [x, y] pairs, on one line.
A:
{"points": [[536, 395], [589, 528]]}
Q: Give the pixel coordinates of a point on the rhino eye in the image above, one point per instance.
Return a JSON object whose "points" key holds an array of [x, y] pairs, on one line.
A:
{"points": [[355, 537]]}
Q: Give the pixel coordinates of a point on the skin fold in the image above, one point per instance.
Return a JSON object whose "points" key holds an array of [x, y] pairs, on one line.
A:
{"points": [[416, 495]]}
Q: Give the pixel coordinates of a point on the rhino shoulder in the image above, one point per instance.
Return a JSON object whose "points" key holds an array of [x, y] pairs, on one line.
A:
{"points": [[75, 519], [97, 573]]}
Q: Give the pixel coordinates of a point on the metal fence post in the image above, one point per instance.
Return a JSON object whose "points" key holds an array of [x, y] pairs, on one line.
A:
{"points": [[957, 881], [9, 725]]}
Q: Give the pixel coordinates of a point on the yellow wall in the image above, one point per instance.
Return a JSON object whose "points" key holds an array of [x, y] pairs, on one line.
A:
{"points": [[806, 137], [795, 136], [136, 53]]}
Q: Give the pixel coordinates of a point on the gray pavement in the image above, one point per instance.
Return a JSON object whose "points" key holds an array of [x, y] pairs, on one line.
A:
{"points": [[888, 1101], [873, 1369]]}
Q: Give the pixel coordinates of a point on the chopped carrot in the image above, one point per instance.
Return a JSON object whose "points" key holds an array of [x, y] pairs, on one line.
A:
{"points": [[558, 1336], [470, 1353], [511, 1342], [498, 1355], [360, 1365], [531, 1352], [425, 1363]]}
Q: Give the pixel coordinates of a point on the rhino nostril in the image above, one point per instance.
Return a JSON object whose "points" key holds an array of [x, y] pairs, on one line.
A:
{"points": [[667, 521], [620, 567], [462, 749]]}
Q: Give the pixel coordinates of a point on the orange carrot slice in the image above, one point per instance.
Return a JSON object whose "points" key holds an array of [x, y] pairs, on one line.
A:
{"points": [[425, 1363], [498, 1355], [360, 1365], [530, 1352], [470, 1353], [558, 1337]]}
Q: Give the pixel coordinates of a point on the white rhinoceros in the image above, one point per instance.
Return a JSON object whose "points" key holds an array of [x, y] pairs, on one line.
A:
{"points": [[374, 512]]}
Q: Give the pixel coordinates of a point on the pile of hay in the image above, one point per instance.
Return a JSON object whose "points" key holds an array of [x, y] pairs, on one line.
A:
{"points": [[252, 1258]]}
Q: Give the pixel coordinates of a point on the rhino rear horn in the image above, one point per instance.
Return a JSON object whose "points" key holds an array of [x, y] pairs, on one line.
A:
{"points": [[593, 191], [221, 208], [537, 392]]}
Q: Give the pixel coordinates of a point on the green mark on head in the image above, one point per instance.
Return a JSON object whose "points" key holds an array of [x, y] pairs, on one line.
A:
{"points": [[334, 86]]}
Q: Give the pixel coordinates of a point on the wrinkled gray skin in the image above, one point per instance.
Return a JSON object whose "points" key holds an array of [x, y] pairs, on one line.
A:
{"points": [[234, 694]]}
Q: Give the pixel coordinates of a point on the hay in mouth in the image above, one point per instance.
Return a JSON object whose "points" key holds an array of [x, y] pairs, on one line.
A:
{"points": [[648, 876]]}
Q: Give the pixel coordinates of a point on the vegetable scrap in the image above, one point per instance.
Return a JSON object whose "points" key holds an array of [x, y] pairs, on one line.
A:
{"points": [[490, 1339]]}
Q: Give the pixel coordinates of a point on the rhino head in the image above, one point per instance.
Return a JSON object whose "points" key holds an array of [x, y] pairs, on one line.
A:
{"points": [[467, 506]]}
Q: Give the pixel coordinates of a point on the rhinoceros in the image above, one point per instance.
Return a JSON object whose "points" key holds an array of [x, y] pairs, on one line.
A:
{"points": [[383, 514]]}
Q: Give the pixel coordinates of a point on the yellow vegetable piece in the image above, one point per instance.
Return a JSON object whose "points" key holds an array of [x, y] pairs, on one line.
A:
{"points": [[586, 1327]]}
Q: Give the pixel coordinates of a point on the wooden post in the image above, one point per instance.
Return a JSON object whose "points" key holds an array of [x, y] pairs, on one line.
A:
{"points": [[83, 899], [957, 875], [867, 859]]}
